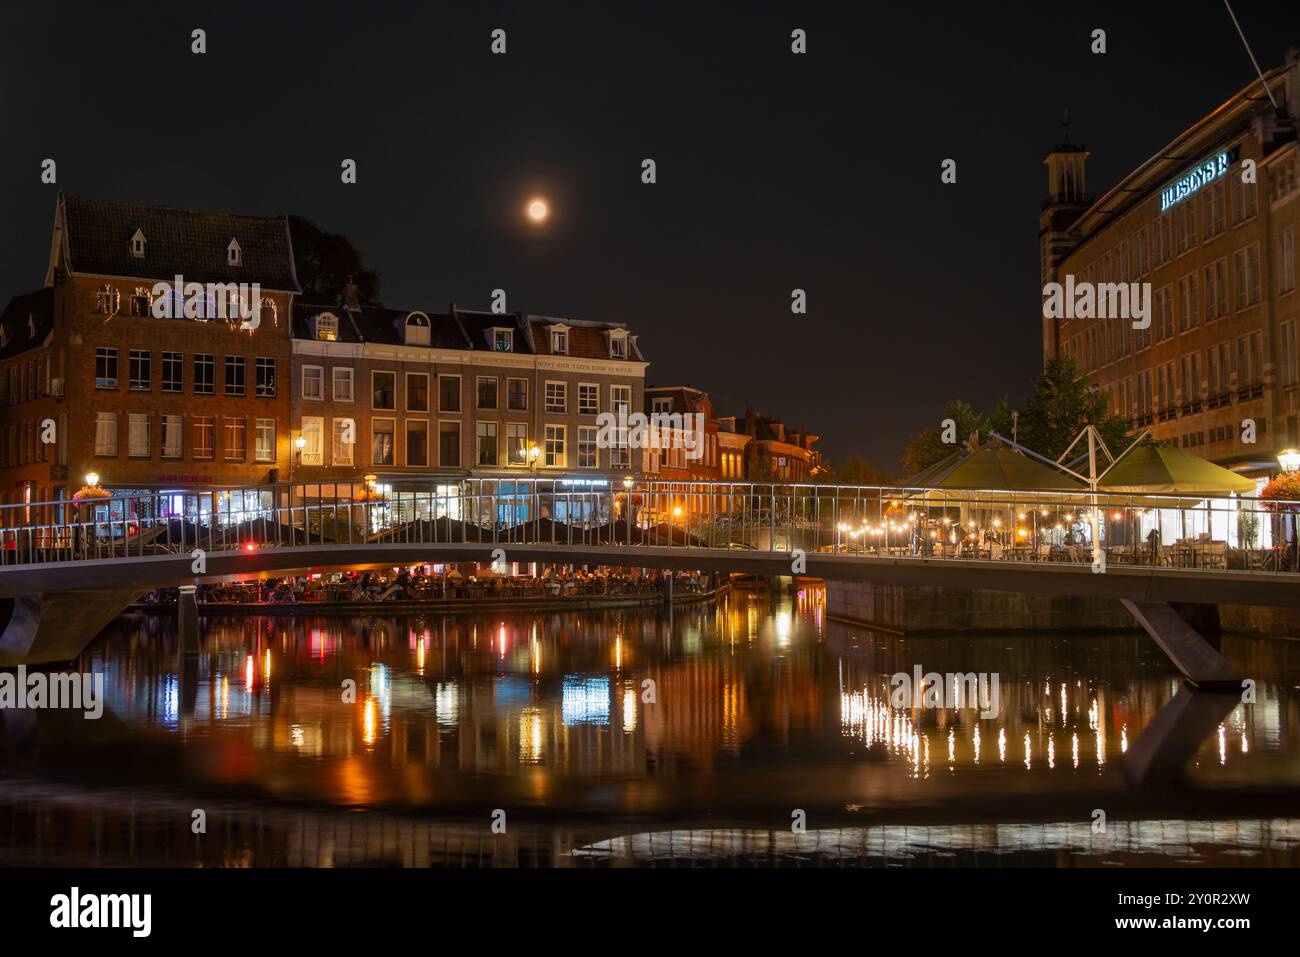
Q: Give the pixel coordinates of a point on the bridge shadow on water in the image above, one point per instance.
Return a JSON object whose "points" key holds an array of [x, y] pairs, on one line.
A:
{"points": [[749, 732]]}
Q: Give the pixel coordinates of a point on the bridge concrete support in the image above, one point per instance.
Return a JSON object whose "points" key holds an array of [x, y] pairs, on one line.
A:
{"points": [[187, 618], [1190, 653], [50, 627]]}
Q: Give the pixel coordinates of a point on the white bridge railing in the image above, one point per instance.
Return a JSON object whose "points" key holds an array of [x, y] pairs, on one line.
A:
{"points": [[1243, 534]]}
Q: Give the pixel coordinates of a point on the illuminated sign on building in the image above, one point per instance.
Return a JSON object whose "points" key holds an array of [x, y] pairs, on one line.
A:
{"points": [[1202, 174]]}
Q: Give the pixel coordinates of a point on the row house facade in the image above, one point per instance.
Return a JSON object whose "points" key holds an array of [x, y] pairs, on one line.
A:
{"points": [[774, 452], [1218, 364], [459, 394], [93, 381]]}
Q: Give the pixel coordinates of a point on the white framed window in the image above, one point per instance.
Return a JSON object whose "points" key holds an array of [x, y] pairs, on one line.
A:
{"points": [[555, 435], [313, 382], [486, 389], [1288, 350], [620, 399], [138, 435], [503, 340], [383, 441], [1286, 260], [137, 245], [343, 441], [327, 327], [618, 345], [342, 383], [106, 433], [485, 443], [517, 395], [588, 398], [663, 406], [560, 342], [417, 329], [205, 436], [313, 449], [588, 456], [234, 254], [236, 438], [1246, 275], [264, 441], [448, 393], [417, 443], [516, 443], [449, 444], [383, 390], [557, 396], [173, 427]]}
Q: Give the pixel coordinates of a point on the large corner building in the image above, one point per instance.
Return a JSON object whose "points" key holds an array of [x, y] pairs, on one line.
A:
{"points": [[1219, 360]]}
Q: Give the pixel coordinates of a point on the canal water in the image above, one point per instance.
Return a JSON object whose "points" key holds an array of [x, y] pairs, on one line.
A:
{"points": [[752, 731]]}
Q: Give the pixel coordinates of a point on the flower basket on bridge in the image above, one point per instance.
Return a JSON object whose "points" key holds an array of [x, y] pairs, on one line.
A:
{"points": [[90, 493], [1282, 495]]}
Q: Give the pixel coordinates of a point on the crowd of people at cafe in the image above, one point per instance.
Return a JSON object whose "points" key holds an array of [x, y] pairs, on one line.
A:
{"points": [[442, 582]]}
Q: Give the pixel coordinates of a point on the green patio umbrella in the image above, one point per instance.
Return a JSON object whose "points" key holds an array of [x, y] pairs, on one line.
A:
{"points": [[990, 472], [1164, 470]]}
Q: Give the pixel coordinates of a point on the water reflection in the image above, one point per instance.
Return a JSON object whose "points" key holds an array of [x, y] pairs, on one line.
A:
{"points": [[626, 723]]}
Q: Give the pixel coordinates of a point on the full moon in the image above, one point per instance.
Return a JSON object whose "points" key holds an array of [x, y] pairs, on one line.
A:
{"points": [[538, 210]]}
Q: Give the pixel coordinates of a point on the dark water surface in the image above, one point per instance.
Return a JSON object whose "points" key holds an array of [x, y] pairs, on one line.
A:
{"points": [[764, 714]]}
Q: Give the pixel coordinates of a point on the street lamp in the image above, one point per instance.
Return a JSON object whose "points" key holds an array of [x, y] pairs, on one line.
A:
{"points": [[534, 453], [1289, 459]]}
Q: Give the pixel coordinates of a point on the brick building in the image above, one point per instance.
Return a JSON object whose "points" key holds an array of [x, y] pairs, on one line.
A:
{"points": [[1219, 253], [148, 403], [286, 391], [773, 452], [457, 394]]}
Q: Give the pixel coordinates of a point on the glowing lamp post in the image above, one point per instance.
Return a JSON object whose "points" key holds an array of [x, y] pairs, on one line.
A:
{"points": [[1289, 459]]}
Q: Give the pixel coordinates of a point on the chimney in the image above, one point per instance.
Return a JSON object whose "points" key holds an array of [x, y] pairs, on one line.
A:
{"points": [[350, 297]]}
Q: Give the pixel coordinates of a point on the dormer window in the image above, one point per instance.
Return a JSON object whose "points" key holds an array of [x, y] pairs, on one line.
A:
{"points": [[137, 245], [503, 340], [560, 342], [233, 253], [31, 326], [417, 329], [618, 345], [327, 327]]}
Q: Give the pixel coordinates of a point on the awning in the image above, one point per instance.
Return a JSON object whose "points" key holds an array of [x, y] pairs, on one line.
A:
{"points": [[1164, 470]]}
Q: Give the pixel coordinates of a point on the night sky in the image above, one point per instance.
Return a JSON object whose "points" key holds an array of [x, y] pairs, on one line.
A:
{"points": [[775, 171]]}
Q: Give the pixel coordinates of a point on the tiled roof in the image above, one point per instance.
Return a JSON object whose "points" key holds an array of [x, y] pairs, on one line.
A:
{"points": [[177, 241], [479, 325], [587, 340], [26, 322], [377, 324]]}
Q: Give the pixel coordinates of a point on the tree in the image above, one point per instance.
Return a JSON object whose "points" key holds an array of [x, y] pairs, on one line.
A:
{"points": [[856, 471], [1061, 405], [927, 446], [324, 262]]}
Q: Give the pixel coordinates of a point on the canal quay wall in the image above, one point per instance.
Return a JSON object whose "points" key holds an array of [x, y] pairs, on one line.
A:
{"points": [[918, 609], [909, 609]]}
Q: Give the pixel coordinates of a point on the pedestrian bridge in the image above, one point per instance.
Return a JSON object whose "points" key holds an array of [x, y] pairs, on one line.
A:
{"points": [[71, 566]]}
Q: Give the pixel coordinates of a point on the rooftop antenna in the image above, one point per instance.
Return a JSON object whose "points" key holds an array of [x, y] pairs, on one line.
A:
{"points": [[1251, 54]]}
